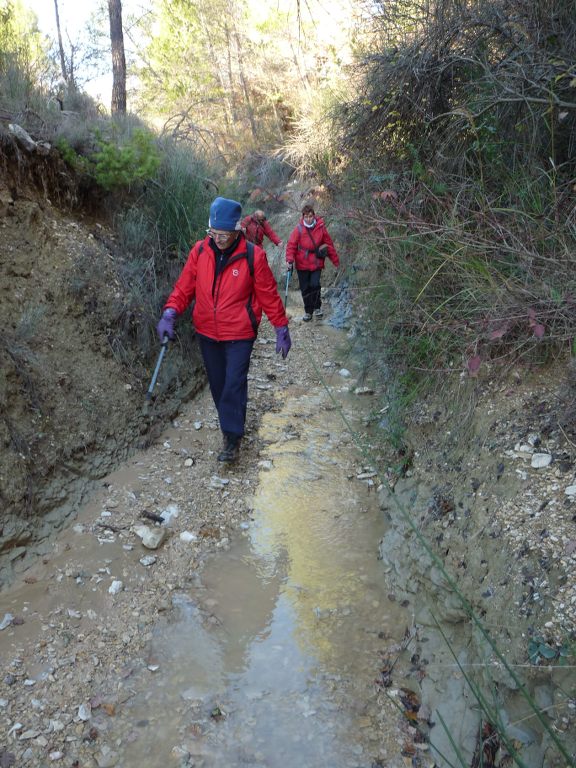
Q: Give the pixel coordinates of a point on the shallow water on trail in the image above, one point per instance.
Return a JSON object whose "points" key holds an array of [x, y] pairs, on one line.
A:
{"points": [[282, 673]]}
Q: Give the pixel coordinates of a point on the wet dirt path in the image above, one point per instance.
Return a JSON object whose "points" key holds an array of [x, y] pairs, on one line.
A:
{"points": [[252, 635]]}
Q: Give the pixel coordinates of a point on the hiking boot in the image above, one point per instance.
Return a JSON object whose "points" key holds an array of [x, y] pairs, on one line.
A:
{"points": [[318, 313], [306, 317], [231, 449]]}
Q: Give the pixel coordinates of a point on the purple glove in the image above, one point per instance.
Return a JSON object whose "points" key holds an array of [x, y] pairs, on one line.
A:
{"points": [[283, 341], [165, 325]]}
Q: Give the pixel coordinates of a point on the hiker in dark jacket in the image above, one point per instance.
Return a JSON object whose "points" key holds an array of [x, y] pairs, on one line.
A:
{"points": [[308, 246], [256, 226], [231, 283]]}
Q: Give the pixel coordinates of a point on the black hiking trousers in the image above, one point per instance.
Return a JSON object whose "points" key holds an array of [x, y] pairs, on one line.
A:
{"points": [[309, 281]]}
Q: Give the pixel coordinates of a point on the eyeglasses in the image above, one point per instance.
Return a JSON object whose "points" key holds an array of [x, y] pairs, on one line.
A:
{"points": [[220, 235]]}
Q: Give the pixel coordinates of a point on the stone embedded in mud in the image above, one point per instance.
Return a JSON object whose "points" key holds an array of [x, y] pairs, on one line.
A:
{"points": [[115, 587], [363, 391], [6, 621], [151, 537], [540, 460]]}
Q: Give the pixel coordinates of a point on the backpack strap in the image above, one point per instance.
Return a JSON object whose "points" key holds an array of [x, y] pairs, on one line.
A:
{"points": [[250, 257], [307, 251]]}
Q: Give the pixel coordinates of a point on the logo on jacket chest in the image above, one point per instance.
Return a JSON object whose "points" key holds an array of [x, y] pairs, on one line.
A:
{"points": [[235, 272]]}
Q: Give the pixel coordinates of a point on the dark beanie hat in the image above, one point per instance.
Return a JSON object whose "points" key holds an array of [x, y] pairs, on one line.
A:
{"points": [[225, 214]]}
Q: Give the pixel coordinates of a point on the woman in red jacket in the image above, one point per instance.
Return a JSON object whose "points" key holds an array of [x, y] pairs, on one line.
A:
{"points": [[232, 284], [307, 247], [256, 226]]}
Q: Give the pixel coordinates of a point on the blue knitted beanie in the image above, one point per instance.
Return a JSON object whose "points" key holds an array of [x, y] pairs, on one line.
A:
{"points": [[225, 215]]}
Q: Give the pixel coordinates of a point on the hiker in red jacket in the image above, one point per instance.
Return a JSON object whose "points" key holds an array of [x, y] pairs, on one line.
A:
{"points": [[256, 226], [307, 247], [231, 283]]}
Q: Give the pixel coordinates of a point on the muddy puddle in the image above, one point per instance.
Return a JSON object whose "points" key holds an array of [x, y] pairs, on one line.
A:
{"points": [[285, 663], [265, 653]]}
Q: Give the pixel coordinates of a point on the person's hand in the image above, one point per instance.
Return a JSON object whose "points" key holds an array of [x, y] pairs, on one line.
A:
{"points": [[289, 266], [166, 323], [283, 341]]}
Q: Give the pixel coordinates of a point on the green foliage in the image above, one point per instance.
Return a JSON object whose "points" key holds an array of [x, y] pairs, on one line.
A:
{"points": [[123, 165], [172, 212], [76, 161], [113, 165], [24, 62]]}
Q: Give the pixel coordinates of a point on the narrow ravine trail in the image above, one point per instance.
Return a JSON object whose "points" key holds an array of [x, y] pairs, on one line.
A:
{"points": [[253, 634]]}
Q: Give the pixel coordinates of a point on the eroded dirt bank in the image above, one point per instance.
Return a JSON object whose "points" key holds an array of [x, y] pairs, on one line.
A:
{"points": [[486, 512], [72, 360]]}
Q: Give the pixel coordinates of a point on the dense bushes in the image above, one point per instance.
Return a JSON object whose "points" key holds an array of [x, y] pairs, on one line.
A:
{"points": [[460, 142]]}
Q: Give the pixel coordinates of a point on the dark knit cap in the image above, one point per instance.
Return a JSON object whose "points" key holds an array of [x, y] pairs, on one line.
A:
{"points": [[225, 215]]}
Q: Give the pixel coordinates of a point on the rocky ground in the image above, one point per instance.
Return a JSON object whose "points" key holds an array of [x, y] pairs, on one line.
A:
{"points": [[78, 623], [483, 526]]}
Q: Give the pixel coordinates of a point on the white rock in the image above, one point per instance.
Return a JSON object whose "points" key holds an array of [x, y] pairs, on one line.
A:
{"points": [[151, 537], [218, 482], [6, 621], [147, 560], [22, 137], [188, 536], [198, 425], [29, 734], [265, 464], [170, 512], [16, 727], [540, 460], [189, 463], [570, 491], [115, 587], [84, 712], [344, 372]]}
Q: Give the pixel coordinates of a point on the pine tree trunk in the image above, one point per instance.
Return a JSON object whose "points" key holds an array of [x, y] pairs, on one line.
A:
{"points": [[118, 105], [60, 44]]}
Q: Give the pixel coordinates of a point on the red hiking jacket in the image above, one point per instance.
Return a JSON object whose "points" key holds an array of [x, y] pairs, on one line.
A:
{"points": [[228, 307], [303, 244], [255, 231]]}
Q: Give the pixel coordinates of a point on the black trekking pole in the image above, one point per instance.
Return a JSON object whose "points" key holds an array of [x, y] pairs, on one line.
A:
{"points": [[165, 341], [288, 276]]}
